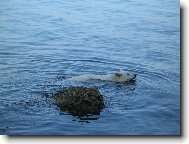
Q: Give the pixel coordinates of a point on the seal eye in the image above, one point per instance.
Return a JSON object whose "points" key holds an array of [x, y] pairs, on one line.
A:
{"points": [[118, 74], [127, 74]]}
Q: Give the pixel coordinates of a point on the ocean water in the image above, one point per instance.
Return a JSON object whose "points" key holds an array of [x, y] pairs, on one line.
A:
{"points": [[44, 42]]}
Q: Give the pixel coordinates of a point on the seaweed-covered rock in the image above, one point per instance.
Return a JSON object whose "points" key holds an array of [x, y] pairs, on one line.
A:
{"points": [[80, 101]]}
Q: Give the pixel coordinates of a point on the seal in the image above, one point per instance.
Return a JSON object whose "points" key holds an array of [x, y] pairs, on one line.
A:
{"points": [[121, 76]]}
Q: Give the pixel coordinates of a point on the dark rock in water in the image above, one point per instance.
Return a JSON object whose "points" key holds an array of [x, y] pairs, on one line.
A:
{"points": [[80, 101]]}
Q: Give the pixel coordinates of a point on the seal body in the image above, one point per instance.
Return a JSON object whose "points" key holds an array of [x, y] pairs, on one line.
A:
{"points": [[121, 76]]}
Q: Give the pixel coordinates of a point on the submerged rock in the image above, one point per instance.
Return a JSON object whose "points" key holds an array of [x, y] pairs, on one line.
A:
{"points": [[80, 101]]}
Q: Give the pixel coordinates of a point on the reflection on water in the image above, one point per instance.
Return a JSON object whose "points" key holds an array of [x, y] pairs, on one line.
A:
{"points": [[83, 119]]}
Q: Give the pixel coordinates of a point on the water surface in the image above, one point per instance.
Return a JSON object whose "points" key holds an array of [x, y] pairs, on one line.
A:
{"points": [[43, 42]]}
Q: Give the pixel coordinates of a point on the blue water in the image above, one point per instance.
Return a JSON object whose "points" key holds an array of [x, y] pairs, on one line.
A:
{"points": [[43, 42]]}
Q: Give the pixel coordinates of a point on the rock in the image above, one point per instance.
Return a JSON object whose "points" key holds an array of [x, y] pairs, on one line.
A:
{"points": [[80, 101]]}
